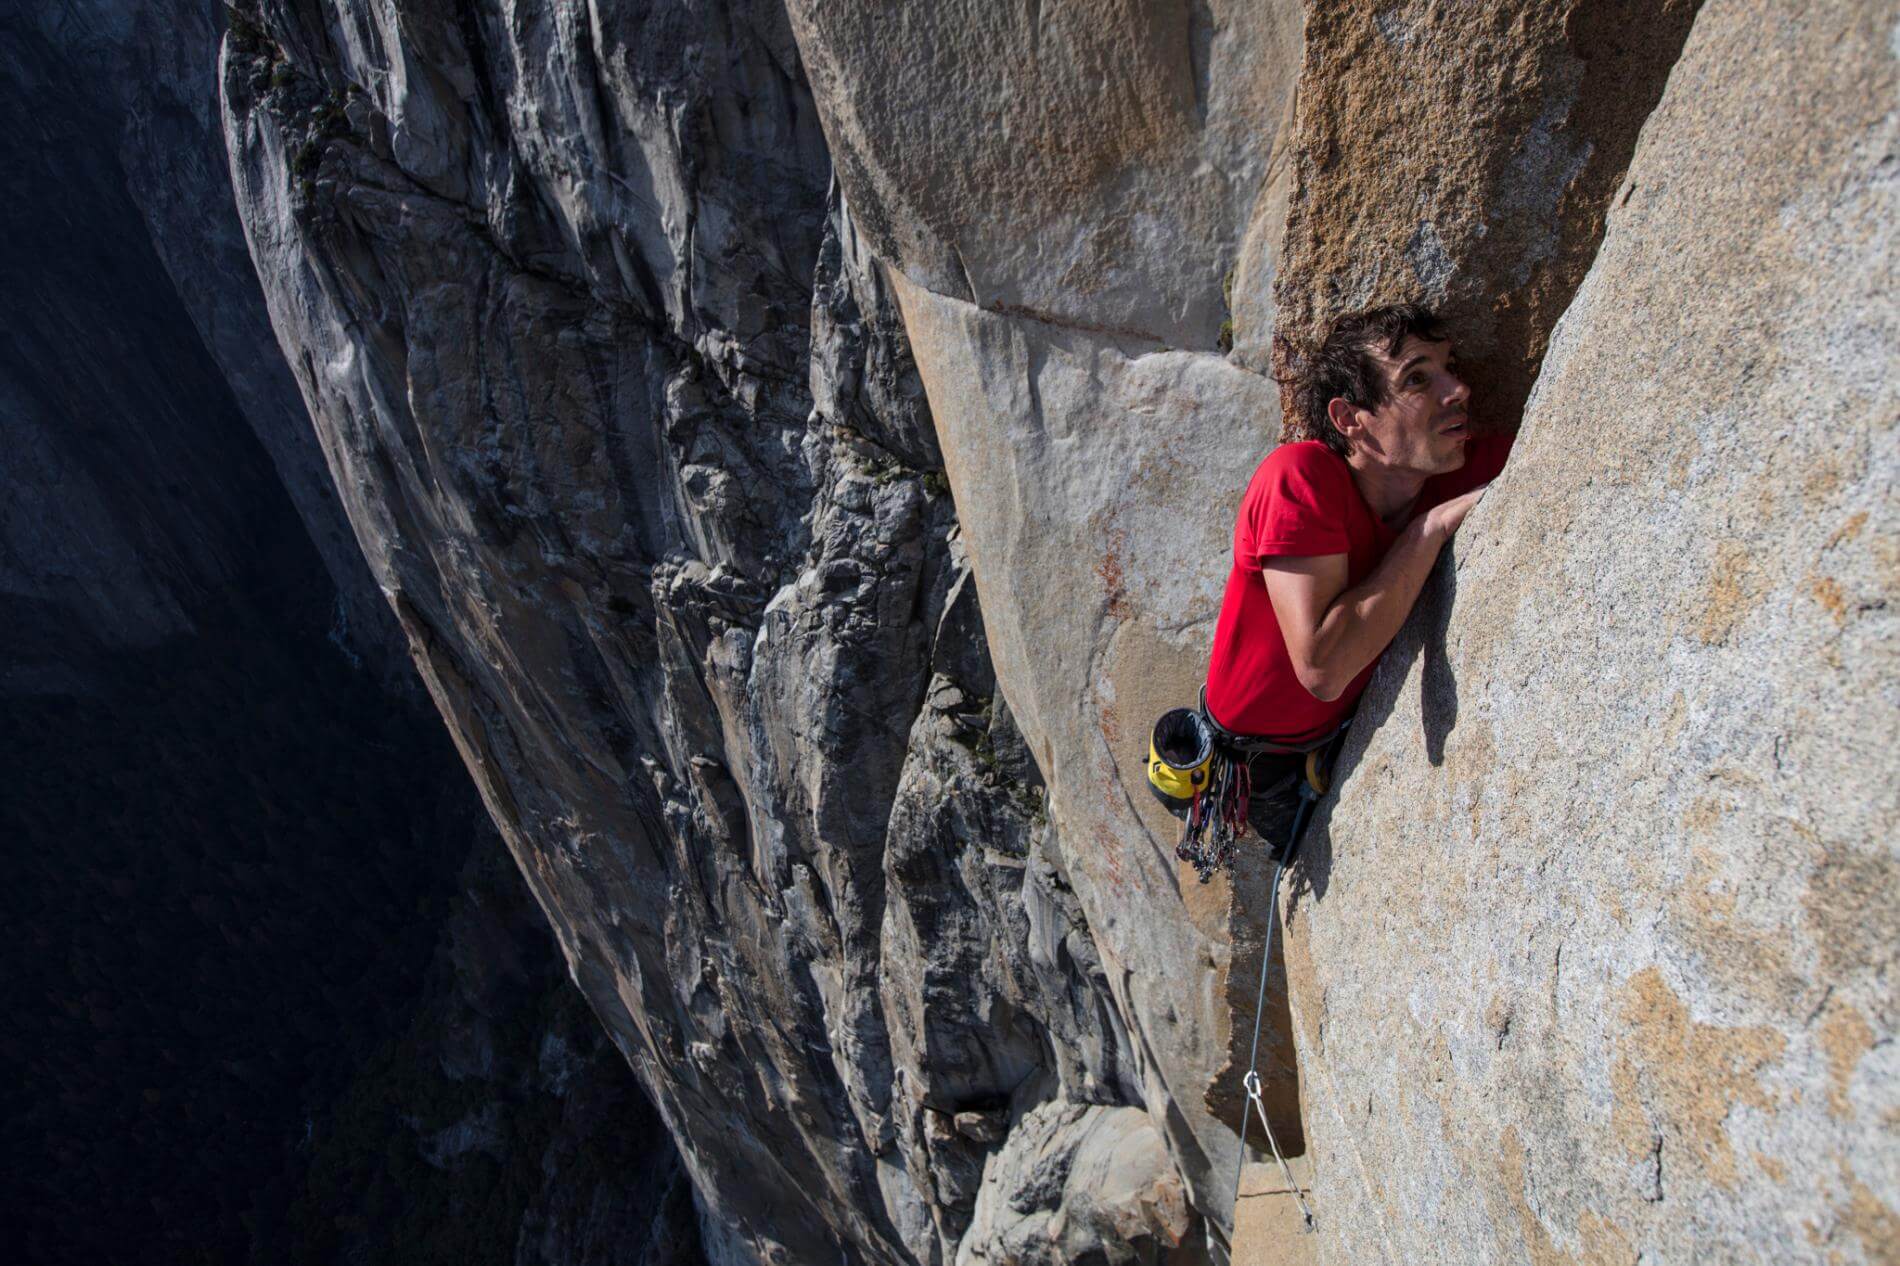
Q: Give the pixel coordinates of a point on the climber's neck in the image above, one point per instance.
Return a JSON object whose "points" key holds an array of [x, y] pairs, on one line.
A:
{"points": [[1389, 491]]}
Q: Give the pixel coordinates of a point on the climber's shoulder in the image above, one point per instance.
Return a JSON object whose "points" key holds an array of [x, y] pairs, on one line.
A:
{"points": [[1306, 458], [1305, 470], [1298, 503]]}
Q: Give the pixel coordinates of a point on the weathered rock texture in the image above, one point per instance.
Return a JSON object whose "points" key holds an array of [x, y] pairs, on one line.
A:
{"points": [[1463, 155], [1087, 162], [1096, 466], [615, 375], [627, 426], [1601, 938], [1092, 465]]}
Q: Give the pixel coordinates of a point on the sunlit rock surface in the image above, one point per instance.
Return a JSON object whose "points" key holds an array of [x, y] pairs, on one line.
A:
{"points": [[1462, 156], [801, 500], [1096, 450], [1595, 961]]}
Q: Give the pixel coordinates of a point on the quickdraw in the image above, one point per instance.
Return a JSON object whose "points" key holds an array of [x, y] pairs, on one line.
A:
{"points": [[1218, 816]]}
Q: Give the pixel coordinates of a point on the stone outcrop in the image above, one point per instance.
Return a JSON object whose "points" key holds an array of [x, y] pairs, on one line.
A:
{"points": [[685, 460], [1463, 156], [1599, 936], [622, 411], [1090, 443], [1087, 163]]}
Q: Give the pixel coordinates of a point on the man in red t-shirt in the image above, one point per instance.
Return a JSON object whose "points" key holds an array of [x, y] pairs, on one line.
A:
{"points": [[1337, 532]]}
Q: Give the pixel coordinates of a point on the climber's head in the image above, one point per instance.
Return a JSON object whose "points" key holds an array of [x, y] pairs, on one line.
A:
{"points": [[1384, 383]]}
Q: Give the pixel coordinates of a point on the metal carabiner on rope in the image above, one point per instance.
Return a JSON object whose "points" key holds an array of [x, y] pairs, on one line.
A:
{"points": [[1252, 1083]]}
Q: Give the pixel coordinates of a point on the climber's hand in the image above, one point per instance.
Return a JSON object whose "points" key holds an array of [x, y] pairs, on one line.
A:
{"points": [[1443, 519]]}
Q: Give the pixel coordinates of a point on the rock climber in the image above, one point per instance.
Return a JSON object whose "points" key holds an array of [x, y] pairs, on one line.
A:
{"points": [[1337, 532]]}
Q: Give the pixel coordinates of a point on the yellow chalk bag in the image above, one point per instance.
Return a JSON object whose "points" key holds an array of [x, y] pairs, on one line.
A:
{"points": [[1180, 758]]}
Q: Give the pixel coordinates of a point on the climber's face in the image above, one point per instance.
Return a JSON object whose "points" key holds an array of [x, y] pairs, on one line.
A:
{"points": [[1422, 427]]}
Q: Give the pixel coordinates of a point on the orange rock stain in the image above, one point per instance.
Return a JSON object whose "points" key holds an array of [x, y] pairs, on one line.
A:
{"points": [[1680, 1079]]}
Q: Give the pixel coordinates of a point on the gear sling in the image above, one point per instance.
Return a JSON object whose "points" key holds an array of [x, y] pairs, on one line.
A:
{"points": [[1202, 773]]}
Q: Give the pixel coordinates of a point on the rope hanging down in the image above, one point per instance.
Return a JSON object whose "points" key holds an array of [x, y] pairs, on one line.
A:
{"points": [[1309, 796]]}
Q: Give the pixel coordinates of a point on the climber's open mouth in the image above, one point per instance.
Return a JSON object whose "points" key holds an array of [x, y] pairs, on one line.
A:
{"points": [[1458, 425]]}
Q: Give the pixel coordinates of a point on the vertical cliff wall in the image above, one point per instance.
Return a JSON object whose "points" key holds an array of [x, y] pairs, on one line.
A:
{"points": [[622, 413], [1464, 156], [1092, 433], [1600, 936], [686, 410], [1097, 431]]}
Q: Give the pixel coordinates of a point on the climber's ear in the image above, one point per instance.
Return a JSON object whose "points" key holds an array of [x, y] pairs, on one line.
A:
{"points": [[1347, 418]]}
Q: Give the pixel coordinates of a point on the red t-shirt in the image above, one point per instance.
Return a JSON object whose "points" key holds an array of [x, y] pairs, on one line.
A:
{"points": [[1302, 502]]}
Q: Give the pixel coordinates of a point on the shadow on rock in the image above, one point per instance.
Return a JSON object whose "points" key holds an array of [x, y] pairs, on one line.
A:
{"points": [[1278, 1057], [1422, 638], [1438, 686]]}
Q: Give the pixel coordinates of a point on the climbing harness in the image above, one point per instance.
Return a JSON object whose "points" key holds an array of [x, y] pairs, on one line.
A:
{"points": [[1203, 774]]}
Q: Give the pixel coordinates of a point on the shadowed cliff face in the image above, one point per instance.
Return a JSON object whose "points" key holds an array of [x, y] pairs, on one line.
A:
{"points": [[126, 132], [625, 417], [236, 841]]}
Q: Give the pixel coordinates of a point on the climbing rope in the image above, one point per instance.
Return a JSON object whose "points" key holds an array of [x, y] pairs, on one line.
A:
{"points": [[1309, 796]]}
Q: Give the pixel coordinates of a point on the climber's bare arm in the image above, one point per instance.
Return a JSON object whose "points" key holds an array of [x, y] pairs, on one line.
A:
{"points": [[1333, 632]]}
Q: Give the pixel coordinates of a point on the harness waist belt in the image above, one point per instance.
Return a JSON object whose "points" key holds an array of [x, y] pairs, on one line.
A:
{"points": [[1252, 745]]}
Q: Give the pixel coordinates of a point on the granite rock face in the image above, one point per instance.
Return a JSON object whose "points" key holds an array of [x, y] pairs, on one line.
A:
{"points": [[1093, 444], [1464, 156], [1083, 161], [684, 458], [622, 410], [1096, 452], [1600, 936]]}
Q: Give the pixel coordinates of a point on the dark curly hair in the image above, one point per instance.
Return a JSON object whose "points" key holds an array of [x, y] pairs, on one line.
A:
{"points": [[1341, 367]]}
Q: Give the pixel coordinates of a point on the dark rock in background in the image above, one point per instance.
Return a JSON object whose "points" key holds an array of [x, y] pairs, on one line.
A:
{"points": [[234, 827], [625, 415]]}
